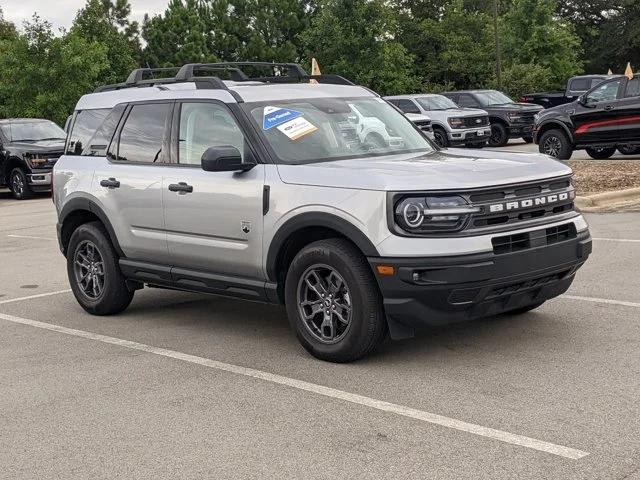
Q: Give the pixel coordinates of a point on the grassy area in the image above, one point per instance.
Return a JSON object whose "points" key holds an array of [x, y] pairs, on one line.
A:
{"points": [[605, 175]]}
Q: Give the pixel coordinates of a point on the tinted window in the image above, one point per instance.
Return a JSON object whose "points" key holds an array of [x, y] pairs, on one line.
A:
{"points": [[97, 145], [436, 102], [141, 138], [633, 88], [84, 126], [467, 100], [580, 85], [204, 125], [605, 92], [33, 130], [406, 105]]}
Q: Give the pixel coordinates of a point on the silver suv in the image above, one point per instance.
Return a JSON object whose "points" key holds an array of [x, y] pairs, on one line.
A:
{"points": [[265, 189], [451, 124]]}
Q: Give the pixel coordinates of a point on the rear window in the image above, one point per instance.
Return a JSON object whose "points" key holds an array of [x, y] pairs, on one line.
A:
{"points": [[97, 145], [85, 125]]}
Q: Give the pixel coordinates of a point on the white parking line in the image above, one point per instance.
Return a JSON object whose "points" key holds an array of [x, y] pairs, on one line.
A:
{"points": [[602, 300], [624, 240], [402, 410], [31, 237], [38, 295]]}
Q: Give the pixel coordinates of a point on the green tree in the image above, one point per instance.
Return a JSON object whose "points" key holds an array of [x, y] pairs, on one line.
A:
{"points": [[107, 22], [356, 39], [7, 28], [44, 75]]}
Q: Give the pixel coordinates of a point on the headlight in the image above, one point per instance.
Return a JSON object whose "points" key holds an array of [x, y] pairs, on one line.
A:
{"points": [[456, 122], [35, 161], [514, 115], [431, 214]]}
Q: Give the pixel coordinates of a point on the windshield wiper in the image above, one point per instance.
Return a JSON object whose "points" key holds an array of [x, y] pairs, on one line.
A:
{"points": [[24, 140], [53, 138]]}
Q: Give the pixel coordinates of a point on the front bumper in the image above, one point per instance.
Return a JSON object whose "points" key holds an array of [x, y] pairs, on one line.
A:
{"points": [[517, 130], [442, 290], [471, 135], [39, 180]]}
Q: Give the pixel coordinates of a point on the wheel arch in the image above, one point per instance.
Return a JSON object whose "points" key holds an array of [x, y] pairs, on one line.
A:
{"points": [[79, 211], [554, 125]]}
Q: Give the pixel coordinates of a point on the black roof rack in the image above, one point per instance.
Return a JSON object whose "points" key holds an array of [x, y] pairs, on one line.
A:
{"points": [[282, 73]]}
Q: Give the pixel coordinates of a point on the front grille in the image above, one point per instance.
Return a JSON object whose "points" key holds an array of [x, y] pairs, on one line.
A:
{"points": [[479, 121], [527, 118], [424, 125], [537, 238], [520, 203]]}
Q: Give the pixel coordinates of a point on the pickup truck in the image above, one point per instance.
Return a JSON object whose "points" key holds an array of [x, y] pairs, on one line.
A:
{"points": [[575, 87]]}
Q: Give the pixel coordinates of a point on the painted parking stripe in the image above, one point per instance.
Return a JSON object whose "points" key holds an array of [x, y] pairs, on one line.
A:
{"points": [[33, 237], [607, 301], [401, 410], [38, 295], [624, 240]]}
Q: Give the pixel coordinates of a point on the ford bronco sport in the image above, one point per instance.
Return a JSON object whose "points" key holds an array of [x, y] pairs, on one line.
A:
{"points": [[258, 187]]}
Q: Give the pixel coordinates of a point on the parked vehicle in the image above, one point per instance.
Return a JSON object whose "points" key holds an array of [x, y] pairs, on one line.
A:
{"points": [[423, 122], [28, 150], [602, 120], [253, 189], [451, 125], [508, 118], [575, 87]]}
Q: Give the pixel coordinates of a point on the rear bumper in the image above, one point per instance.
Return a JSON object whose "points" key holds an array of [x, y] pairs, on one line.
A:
{"points": [[443, 290]]}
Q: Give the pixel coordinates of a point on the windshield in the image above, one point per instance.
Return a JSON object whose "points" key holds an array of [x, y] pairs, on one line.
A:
{"points": [[493, 97], [325, 129], [436, 102], [32, 131]]}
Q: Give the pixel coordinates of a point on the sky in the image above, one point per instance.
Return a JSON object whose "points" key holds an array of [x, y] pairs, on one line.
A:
{"points": [[62, 12]]}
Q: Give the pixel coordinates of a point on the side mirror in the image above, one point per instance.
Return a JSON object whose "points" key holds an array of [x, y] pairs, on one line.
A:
{"points": [[224, 158], [582, 99]]}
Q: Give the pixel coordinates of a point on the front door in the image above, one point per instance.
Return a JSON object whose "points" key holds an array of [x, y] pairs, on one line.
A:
{"points": [[213, 220], [629, 107], [596, 120]]}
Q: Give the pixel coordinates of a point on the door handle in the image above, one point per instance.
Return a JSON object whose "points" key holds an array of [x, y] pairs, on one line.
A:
{"points": [[608, 107], [110, 183], [180, 187]]}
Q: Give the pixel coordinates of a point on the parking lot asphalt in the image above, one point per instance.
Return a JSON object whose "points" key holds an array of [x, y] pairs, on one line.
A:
{"points": [[192, 386], [518, 145]]}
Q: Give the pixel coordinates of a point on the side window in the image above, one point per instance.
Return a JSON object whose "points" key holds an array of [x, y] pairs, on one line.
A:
{"points": [[633, 88], [84, 126], [579, 85], [142, 136], [605, 92], [467, 101], [97, 145], [204, 125], [406, 105]]}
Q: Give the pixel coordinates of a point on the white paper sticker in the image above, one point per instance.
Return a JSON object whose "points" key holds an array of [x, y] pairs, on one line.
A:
{"points": [[297, 128]]}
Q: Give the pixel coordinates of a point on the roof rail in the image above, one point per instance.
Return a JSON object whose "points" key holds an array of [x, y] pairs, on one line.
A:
{"points": [[292, 69], [138, 74]]}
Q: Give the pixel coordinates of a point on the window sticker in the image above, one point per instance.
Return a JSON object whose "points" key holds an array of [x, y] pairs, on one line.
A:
{"points": [[297, 128], [274, 116]]}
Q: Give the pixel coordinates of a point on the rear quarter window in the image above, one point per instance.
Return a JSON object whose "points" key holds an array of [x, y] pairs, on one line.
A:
{"points": [[84, 127]]}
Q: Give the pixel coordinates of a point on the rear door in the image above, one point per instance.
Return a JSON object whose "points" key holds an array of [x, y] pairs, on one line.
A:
{"points": [[129, 185], [629, 112], [214, 224], [597, 119]]}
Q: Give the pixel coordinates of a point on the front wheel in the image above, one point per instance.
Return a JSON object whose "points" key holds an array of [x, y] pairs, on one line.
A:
{"points": [[556, 143], [601, 153], [440, 137], [94, 273], [333, 302], [499, 135], [19, 185], [628, 149]]}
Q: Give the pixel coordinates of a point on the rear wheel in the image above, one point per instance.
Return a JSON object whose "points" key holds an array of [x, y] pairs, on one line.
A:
{"points": [[19, 185], [601, 153], [333, 302], [628, 149], [556, 143], [94, 273], [499, 135], [441, 137]]}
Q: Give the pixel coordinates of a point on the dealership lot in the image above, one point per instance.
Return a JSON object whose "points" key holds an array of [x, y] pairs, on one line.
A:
{"points": [[189, 386]]}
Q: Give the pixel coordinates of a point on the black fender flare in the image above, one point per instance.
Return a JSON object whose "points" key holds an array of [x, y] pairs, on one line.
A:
{"points": [[315, 219], [550, 124], [78, 204]]}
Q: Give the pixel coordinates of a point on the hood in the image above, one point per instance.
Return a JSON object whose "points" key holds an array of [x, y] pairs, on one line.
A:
{"points": [[416, 116], [448, 169], [463, 112], [39, 146], [520, 106]]}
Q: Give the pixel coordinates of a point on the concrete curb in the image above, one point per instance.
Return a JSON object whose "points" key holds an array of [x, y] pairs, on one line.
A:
{"points": [[599, 200]]}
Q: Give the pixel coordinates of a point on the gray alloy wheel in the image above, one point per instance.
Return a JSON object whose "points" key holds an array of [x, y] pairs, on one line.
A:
{"points": [[324, 303], [551, 146], [89, 269], [18, 184]]}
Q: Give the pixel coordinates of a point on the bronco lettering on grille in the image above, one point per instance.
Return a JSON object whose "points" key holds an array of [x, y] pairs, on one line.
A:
{"points": [[529, 202]]}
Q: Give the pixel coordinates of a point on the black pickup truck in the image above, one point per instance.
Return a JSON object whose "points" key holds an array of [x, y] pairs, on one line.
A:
{"points": [[28, 150], [576, 86]]}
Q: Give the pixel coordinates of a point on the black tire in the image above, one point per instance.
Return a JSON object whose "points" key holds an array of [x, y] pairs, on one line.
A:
{"points": [[499, 135], [367, 326], [528, 308], [114, 296], [601, 153], [528, 139], [555, 143], [440, 137], [18, 184], [628, 149]]}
